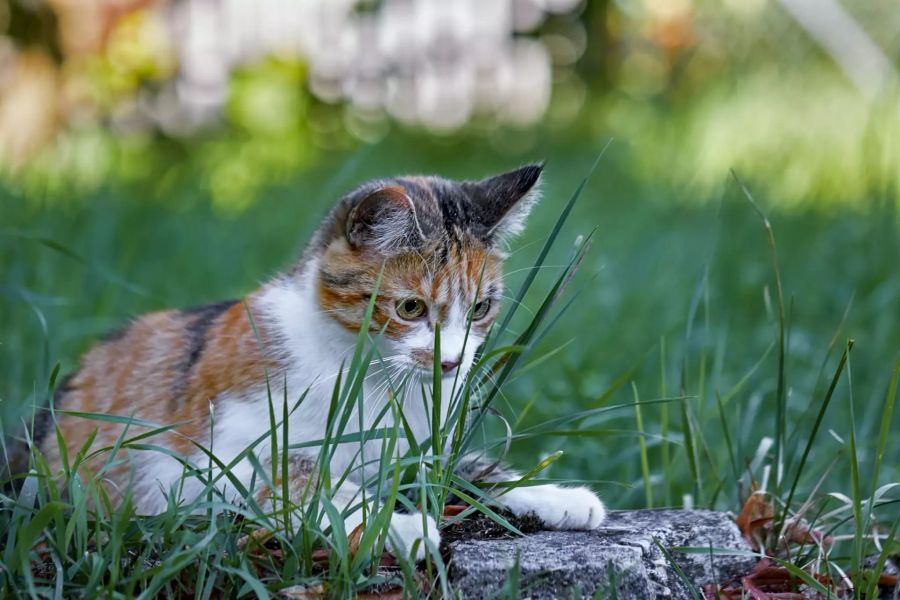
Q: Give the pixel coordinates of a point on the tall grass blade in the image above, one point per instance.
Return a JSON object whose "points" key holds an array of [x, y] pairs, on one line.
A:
{"points": [[811, 439], [887, 414], [780, 392], [642, 443], [551, 239], [664, 424], [856, 491]]}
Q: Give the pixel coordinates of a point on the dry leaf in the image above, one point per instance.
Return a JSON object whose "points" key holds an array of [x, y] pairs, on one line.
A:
{"points": [[755, 516], [353, 540]]}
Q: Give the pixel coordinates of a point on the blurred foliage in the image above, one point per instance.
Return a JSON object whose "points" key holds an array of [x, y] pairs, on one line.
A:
{"points": [[698, 87], [804, 140]]}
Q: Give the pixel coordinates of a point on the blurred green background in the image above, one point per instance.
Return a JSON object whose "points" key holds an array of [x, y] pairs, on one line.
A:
{"points": [[158, 154]]}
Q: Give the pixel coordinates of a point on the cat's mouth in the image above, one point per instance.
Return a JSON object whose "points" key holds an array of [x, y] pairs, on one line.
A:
{"points": [[424, 370]]}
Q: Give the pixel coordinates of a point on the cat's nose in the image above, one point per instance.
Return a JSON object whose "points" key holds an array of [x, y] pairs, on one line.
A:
{"points": [[449, 365]]}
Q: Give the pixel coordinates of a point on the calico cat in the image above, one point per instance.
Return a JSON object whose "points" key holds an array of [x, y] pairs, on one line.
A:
{"points": [[210, 369]]}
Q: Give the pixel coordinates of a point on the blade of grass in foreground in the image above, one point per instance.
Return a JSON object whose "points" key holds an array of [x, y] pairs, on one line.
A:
{"points": [[809, 442], [736, 472], [890, 545], [887, 414], [856, 553], [810, 410], [437, 370], [678, 570], [664, 424], [689, 431], [507, 363], [551, 239], [780, 393], [645, 464]]}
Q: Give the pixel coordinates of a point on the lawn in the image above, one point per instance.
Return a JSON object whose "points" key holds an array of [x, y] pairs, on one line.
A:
{"points": [[718, 348]]}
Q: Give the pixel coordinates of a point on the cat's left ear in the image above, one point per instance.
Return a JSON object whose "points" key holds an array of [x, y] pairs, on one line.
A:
{"points": [[384, 219], [504, 201]]}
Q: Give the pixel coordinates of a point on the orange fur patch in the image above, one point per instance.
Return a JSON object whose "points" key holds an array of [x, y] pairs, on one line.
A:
{"points": [[144, 374]]}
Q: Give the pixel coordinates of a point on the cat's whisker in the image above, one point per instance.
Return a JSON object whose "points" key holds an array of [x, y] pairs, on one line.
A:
{"points": [[515, 332], [401, 379], [347, 368], [380, 389], [524, 247], [535, 268], [521, 304], [395, 369], [388, 360], [492, 378]]}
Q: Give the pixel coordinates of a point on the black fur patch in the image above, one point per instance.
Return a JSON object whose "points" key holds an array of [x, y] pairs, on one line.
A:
{"points": [[202, 318], [43, 419], [340, 280], [198, 320], [15, 464]]}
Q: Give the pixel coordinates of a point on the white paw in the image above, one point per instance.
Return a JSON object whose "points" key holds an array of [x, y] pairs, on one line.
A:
{"points": [[407, 529], [557, 507]]}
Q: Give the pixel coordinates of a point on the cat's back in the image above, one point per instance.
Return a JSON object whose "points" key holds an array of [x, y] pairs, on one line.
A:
{"points": [[163, 367]]}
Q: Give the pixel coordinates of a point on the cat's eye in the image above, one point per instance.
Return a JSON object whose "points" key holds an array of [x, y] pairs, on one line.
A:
{"points": [[480, 310], [411, 308]]}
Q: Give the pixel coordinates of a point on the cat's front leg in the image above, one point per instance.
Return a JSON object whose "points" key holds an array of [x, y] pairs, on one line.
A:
{"points": [[407, 530], [558, 507]]}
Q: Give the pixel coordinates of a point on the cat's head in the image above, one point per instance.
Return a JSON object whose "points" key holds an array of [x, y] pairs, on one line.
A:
{"points": [[441, 244]]}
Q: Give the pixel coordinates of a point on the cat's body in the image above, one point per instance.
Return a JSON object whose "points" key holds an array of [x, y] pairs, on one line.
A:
{"points": [[212, 370]]}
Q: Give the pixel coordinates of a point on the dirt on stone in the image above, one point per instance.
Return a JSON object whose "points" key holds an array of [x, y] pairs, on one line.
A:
{"points": [[482, 527]]}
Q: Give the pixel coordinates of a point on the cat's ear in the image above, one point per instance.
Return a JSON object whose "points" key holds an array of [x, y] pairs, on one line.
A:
{"points": [[384, 219], [505, 200]]}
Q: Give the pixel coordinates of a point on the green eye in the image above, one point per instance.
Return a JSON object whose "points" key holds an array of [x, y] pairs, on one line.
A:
{"points": [[411, 308], [480, 310]]}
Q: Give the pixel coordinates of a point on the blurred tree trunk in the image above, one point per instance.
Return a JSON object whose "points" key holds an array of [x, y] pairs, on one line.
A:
{"points": [[33, 25], [601, 48]]}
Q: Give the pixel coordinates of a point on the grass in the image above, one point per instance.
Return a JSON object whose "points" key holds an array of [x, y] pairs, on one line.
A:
{"points": [[691, 359]]}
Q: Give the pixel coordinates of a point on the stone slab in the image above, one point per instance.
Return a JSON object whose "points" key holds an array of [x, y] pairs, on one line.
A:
{"points": [[619, 560]]}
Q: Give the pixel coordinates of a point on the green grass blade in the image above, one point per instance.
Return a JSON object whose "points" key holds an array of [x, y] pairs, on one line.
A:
{"points": [[887, 414], [811, 439], [780, 392], [645, 463], [548, 244], [856, 490]]}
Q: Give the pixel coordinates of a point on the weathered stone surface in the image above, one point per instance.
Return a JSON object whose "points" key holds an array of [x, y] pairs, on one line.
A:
{"points": [[621, 555]]}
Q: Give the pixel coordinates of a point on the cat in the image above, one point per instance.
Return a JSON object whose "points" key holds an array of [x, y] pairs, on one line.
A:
{"points": [[434, 242]]}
